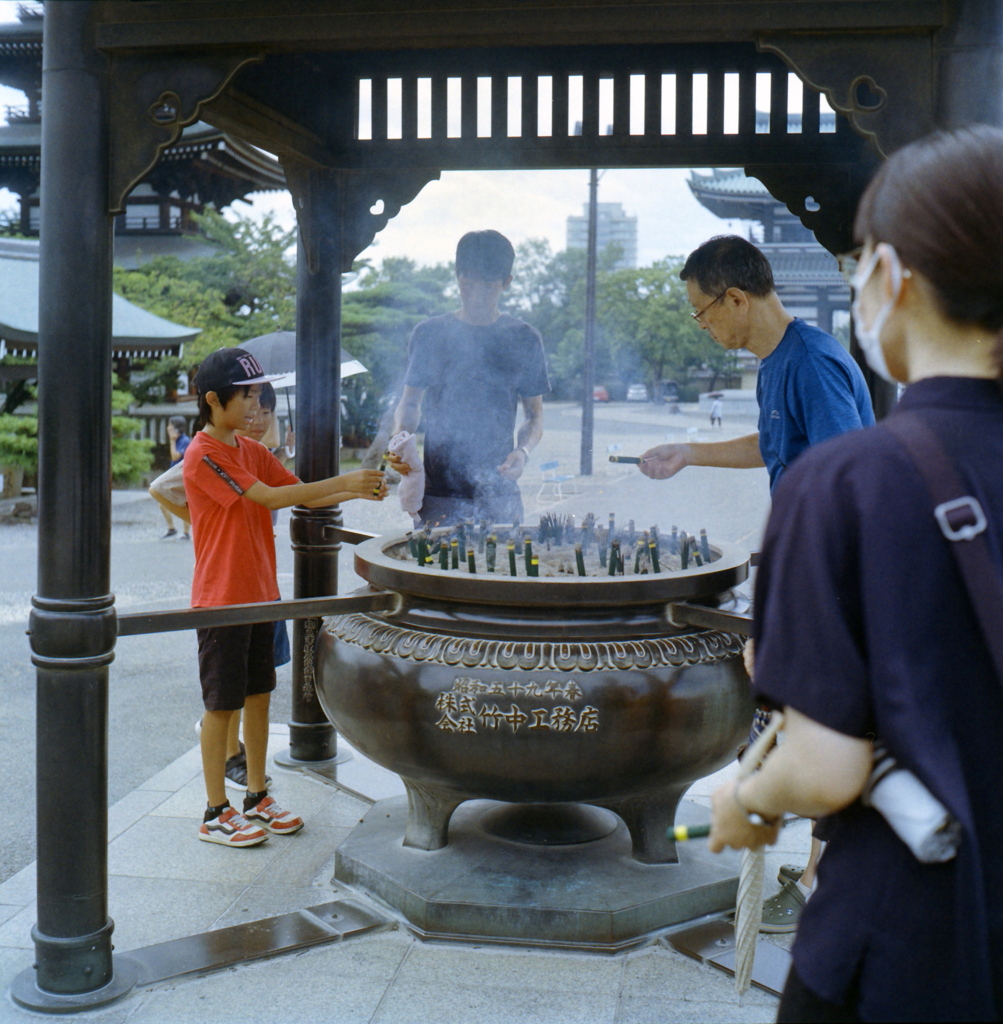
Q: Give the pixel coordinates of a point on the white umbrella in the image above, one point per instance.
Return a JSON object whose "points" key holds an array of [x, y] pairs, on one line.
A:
{"points": [[749, 907]]}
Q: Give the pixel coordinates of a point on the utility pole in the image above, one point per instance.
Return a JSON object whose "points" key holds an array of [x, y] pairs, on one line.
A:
{"points": [[589, 347]]}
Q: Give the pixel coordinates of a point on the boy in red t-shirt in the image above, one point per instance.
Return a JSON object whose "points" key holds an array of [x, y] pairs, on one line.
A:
{"points": [[232, 484]]}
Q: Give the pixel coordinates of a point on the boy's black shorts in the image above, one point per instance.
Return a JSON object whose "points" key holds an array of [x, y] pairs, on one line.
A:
{"points": [[235, 662]]}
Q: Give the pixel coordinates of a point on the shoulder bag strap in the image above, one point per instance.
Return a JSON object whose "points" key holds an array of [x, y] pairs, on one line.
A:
{"points": [[962, 521]]}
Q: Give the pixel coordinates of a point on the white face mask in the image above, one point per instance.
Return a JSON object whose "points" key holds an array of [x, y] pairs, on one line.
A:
{"points": [[870, 336]]}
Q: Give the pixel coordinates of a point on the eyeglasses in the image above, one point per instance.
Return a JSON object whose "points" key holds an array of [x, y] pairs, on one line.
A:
{"points": [[700, 312]]}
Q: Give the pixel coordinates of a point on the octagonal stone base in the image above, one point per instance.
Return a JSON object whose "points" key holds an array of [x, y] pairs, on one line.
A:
{"points": [[481, 887]]}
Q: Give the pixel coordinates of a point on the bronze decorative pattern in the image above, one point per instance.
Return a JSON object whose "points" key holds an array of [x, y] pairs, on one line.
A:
{"points": [[531, 656]]}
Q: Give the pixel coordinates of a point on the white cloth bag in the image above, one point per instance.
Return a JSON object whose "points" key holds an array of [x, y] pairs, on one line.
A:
{"points": [[411, 490]]}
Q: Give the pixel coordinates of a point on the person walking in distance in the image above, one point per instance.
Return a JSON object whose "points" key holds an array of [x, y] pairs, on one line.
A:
{"points": [[178, 441]]}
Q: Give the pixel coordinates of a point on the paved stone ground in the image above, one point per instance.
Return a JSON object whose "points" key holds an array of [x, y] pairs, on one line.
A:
{"points": [[164, 884]]}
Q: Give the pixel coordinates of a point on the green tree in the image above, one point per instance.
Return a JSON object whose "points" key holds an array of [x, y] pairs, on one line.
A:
{"points": [[247, 288], [130, 456]]}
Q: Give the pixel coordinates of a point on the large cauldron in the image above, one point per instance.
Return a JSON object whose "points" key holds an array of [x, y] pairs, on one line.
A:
{"points": [[537, 691]]}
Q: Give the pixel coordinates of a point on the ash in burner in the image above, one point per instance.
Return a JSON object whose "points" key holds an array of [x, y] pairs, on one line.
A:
{"points": [[558, 546]]}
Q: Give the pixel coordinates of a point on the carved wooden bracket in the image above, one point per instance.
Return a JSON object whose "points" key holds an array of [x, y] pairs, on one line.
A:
{"points": [[834, 191], [152, 99], [368, 200], [882, 83]]}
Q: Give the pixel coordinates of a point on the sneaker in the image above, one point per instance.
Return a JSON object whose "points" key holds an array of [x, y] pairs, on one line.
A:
{"points": [[231, 829], [170, 533], [186, 536], [236, 771], [269, 815]]}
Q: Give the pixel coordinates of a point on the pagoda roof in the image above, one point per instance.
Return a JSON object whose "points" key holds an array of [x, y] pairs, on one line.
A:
{"points": [[135, 331], [730, 182], [21, 145], [803, 261]]}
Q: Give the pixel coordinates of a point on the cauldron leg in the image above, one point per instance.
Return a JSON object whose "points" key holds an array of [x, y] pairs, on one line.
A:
{"points": [[648, 817], [429, 809]]}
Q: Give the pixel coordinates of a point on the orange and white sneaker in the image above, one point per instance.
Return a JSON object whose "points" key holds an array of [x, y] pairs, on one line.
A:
{"points": [[231, 829], [269, 815]]}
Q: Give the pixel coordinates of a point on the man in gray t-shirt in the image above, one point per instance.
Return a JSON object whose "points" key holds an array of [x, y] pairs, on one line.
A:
{"points": [[468, 371]]}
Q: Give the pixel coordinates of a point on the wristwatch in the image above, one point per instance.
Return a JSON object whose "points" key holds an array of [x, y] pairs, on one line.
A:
{"points": [[752, 817]]}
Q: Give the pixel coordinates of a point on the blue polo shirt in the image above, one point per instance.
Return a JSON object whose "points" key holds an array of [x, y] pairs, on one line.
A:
{"points": [[809, 389], [864, 625]]}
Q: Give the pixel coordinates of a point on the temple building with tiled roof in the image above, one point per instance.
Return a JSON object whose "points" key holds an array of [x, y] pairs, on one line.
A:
{"points": [[205, 168], [807, 276]]}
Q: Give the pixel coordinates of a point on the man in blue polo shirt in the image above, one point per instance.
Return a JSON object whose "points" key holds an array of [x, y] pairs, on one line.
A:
{"points": [[809, 387]]}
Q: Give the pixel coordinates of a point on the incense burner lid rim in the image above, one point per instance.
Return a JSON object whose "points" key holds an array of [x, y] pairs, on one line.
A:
{"points": [[383, 571]]}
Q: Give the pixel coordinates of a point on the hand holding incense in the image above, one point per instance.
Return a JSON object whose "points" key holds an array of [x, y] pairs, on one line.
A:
{"points": [[683, 832]]}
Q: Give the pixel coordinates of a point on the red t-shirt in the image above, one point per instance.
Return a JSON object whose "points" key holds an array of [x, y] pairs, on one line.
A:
{"points": [[233, 536]]}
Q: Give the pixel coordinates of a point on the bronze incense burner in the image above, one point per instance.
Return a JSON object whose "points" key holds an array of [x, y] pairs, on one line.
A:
{"points": [[561, 692]]}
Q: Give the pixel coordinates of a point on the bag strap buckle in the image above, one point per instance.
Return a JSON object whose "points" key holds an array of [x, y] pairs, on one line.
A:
{"points": [[963, 525]]}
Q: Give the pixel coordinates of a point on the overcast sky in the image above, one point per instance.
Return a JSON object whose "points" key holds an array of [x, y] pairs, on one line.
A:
{"points": [[520, 204]]}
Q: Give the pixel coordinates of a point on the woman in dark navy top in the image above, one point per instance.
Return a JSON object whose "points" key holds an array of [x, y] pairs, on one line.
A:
{"points": [[864, 627]]}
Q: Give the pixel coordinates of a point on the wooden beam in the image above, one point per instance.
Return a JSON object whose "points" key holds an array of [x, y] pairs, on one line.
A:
{"points": [[421, 24], [254, 122]]}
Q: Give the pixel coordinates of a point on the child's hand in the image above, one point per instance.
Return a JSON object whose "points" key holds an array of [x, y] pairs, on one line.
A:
{"points": [[172, 431], [362, 482]]}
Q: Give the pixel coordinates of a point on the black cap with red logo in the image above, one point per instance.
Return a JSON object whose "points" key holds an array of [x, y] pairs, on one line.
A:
{"points": [[230, 366]]}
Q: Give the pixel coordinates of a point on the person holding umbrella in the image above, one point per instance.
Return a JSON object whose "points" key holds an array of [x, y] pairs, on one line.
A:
{"points": [[870, 608]]}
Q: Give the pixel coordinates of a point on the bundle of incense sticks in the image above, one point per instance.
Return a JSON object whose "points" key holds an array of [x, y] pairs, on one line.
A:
{"points": [[528, 552], [615, 559], [454, 547], [630, 459], [471, 565], [704, 545], [511, 558], [443, 555], [580, 560]]}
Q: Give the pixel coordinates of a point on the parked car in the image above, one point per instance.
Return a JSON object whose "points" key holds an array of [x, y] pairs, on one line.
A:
{"points": [[600, 394], [670, 391], [637, 393]]}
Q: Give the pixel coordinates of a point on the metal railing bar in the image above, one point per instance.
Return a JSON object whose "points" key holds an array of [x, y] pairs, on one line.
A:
{"points": [[138, 623], [681, 614], [346, 536]]}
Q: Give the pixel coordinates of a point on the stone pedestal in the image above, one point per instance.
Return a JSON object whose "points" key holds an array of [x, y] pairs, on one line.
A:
{"points": [[488, 886]]}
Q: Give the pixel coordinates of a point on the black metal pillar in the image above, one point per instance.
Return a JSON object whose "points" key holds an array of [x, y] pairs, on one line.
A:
{"points": [[589, 344], [312, 738], [73, 622]]}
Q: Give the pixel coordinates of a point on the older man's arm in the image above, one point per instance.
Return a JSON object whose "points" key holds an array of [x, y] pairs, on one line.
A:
{"points": [[815, 772], [528, 437]]}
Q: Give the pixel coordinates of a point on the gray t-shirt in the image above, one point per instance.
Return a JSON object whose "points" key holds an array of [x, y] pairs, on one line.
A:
{"points": [[473, 378]]}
